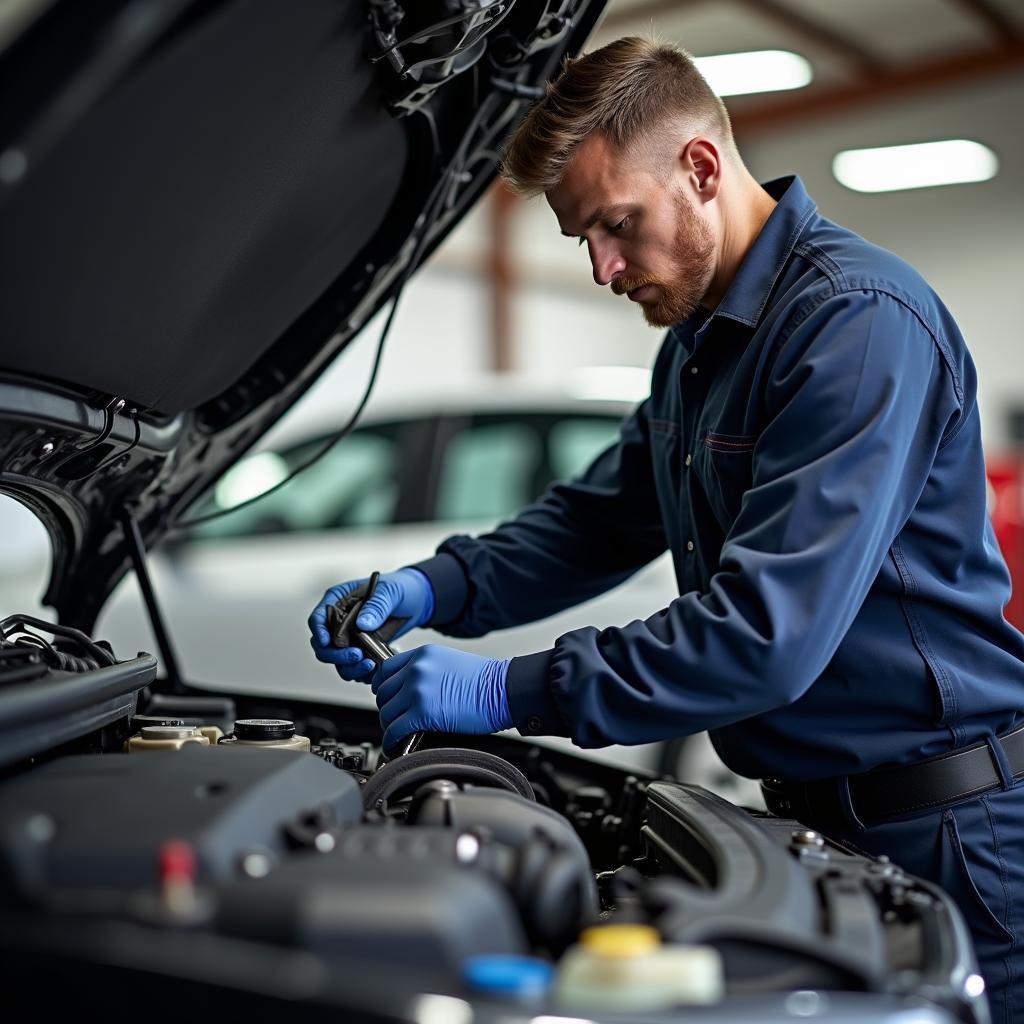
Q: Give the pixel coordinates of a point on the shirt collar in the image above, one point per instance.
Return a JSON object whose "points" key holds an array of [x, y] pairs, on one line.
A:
{"points": [[748, 293]]}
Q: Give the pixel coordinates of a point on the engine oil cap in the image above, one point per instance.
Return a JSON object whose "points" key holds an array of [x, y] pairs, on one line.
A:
{"points": [[265, 729], [522, 976]]}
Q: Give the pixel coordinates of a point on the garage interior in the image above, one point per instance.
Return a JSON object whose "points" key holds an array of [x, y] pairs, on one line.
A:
{"points": [[506, 367]]}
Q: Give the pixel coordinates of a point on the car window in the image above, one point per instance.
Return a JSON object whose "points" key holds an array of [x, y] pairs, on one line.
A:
{"points": [[492, 466], [574, 443], [488, 470], [354, 485]]}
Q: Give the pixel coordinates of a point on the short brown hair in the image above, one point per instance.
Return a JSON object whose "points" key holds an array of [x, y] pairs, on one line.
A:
{"points": [[624, 90]]}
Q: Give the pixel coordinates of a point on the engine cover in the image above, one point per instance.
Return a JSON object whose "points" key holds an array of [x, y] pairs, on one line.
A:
{"points": [[98, 822]]}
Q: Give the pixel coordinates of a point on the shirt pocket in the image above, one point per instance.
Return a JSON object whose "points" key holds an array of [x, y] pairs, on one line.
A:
{"points": [[725, 465]]}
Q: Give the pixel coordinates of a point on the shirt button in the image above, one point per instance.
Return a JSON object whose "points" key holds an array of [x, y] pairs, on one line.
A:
{"points": [[534, 723], [693, 369], [689, 545], [689, 459]]}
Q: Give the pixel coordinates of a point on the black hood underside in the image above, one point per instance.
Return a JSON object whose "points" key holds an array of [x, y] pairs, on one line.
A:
{"points": [[201, 204], [208, 200]]}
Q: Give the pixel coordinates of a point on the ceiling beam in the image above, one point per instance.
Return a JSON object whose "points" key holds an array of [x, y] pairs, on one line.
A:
{"points": [[647, 10], [1000, 24], [880, 88], [816, 33]]}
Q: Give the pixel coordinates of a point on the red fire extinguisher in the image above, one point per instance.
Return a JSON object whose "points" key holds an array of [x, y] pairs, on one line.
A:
{"points": [[1006, 507]]}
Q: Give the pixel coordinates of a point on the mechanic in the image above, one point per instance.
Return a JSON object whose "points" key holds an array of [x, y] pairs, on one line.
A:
{"points": [[811, 455]]}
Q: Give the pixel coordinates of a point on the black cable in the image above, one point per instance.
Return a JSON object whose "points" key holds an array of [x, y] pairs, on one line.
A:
{"points": [[117, 454], [435, 136], [454, 763], [68, 662], [433, 208], [328, 445]]}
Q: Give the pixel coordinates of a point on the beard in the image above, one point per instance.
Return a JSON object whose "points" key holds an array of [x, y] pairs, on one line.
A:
{"points": [[678, 294]]}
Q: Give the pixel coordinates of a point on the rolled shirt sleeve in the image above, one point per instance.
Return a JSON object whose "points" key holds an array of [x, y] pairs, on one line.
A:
{"points": [[857, 402]]}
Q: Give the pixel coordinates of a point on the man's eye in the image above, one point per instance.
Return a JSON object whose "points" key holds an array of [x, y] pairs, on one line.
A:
{"points": [[615, 228]]}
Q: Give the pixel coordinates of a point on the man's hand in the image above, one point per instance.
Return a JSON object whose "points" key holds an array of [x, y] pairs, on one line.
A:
{"points": [[438, 689], [405, 594]]}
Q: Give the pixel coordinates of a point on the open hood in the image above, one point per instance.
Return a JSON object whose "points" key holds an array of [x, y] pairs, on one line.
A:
{"points": [[201, 204]]}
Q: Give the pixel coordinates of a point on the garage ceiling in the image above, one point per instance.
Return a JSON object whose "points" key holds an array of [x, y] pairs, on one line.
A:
{"points": [[863, 53]]}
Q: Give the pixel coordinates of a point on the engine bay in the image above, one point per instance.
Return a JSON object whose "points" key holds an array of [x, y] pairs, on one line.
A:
{"points": [[254, 853]]}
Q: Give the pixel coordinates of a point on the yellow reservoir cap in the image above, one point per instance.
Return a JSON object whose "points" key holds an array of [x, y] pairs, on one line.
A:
{"points": [[620, 940]]}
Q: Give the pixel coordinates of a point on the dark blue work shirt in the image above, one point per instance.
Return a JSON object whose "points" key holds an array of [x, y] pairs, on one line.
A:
{"points": [[811, 455]]}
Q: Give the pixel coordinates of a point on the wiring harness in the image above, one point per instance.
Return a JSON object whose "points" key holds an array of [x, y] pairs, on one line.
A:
{"points": [[25, 654]]}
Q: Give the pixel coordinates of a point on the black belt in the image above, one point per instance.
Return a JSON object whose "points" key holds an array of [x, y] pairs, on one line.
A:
{"points": [[888, 792]]}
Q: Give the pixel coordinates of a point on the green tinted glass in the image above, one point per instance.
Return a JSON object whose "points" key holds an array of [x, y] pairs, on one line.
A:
{"points": [[353, 485], [488, 471]]}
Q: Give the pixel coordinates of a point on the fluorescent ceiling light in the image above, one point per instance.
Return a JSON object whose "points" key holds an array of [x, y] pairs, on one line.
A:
{"points": [[891, 168], [733, 74], [609, 383]]}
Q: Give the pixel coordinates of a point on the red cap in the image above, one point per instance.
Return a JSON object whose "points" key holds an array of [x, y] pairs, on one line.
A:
{"points": [[177, 861]]}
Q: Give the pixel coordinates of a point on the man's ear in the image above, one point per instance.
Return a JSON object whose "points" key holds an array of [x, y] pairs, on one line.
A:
{"points": [[702, 165]]}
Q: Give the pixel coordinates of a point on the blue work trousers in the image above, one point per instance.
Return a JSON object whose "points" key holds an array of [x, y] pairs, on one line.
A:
{"points": [[974, 850]]}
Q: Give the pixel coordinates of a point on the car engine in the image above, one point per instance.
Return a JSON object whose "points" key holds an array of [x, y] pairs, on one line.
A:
{"points": [[160, 849]]}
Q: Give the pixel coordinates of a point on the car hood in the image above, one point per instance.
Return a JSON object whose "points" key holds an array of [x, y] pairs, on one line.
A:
{"points": [[201, 205]]}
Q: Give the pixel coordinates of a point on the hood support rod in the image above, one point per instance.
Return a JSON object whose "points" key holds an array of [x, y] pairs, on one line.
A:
{"points": [[137, 550]]}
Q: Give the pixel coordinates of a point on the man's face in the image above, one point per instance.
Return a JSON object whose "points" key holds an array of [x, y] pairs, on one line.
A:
{"points": [[642, 234]]}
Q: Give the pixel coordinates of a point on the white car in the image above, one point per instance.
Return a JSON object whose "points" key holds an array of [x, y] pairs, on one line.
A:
{"points": [[236, 592]]}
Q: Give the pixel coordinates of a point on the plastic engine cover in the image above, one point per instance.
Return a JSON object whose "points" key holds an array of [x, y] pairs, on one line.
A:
{"points": [[106, 817]]}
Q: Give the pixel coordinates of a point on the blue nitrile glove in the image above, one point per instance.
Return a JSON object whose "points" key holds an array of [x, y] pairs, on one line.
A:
{"points": [[404, 594], [438, 689]]}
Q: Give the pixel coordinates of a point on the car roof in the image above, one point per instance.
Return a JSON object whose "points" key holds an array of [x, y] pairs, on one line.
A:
{"points": [[325, 411]]}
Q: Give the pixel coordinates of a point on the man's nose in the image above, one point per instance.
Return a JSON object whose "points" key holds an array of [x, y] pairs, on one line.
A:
{"points": [[606, 261]]}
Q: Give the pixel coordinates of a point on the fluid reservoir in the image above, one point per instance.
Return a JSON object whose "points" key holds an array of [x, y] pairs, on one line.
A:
{"points": [[165, 737], [275, 733], [212, 733], [619, 967], [140, 722]]}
